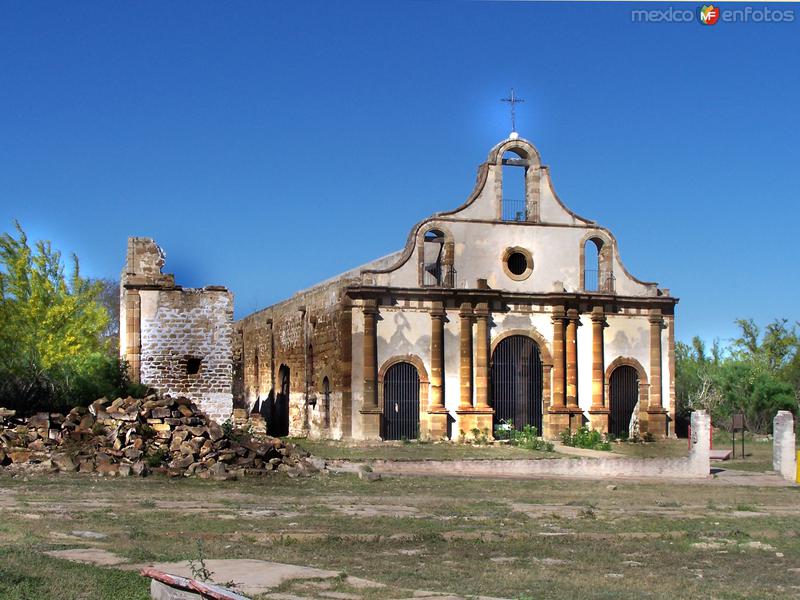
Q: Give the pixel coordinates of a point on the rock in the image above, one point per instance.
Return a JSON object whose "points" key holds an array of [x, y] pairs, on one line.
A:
{"points": [[19, 456], [64, 463], [107, 469], [112, 437], [369, 476], [611, 487], [139, 469]]}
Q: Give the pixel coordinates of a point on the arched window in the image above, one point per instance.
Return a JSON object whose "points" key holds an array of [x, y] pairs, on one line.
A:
{"points": [[326, 403], [591, 266], [435, 270], [514, 187], [597, 272]]}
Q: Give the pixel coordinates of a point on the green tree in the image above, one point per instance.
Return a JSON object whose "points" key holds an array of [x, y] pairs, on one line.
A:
{"points": [[758, 373], [51, 345]]}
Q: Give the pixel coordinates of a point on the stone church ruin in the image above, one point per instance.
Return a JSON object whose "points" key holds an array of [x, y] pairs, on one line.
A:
{"points": [[511, 308]]}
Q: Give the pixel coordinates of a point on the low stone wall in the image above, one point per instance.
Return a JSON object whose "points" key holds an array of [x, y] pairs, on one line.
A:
{"points": [[784, 453], [695, 465]]}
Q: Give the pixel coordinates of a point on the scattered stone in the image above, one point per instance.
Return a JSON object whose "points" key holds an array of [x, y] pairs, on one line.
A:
{"points": [[92, 556], [611, 487], [758, 546], [129, 437], [369, 476], [89, 535]]}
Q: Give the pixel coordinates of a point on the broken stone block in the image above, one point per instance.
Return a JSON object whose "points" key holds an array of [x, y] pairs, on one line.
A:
{"points": [[64, 463]]}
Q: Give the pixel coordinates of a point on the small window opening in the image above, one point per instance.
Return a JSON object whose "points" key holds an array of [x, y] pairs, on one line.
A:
{"points": [[193, 365], [514, 196], [517, 263]]}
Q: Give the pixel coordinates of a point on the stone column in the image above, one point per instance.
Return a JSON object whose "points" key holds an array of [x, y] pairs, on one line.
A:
{"points": [[133, 334], [571, 347], [558, 415], [598, 413], [465, 339], [482, 356], [437, 413], [484, 414], [370, 411], [466, 421], [656, 415]]}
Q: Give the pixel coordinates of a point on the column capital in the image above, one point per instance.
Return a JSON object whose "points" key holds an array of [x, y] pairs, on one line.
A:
{"points": [[465, 311], [656, 318], [482, 310], [599, 316], [559, 312], [371, 307], [572, 315], [437, 310]]}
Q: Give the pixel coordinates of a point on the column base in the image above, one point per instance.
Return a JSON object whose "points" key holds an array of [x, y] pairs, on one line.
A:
{"points": [[437, 424], [557, 422], [656, 423], [371, 423], [598, 419], [575, 418], [475, 423]]}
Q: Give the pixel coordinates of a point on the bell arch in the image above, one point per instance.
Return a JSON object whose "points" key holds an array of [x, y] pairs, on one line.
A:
{"points": [[599, 275]]}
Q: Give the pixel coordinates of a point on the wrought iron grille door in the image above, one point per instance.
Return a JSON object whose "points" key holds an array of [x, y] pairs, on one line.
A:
{"points": [[401, 402], [517, 382], [623, 396]]}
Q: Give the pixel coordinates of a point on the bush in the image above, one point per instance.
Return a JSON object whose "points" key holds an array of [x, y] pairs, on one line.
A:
{"points": [[585, 438], [156, 458], [527, 438]]}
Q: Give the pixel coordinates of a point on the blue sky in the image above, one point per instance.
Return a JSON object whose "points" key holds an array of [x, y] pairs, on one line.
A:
{"points": [[267, 146]]}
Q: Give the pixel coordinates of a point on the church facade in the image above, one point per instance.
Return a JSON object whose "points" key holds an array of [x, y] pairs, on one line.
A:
{"points": [[510, 310]]}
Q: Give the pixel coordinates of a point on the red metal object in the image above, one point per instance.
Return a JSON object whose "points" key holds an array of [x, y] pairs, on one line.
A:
{"points": [[205, 590]]}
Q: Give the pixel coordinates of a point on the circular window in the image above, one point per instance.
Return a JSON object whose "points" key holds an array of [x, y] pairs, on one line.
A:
{"points": [[517, 263]]}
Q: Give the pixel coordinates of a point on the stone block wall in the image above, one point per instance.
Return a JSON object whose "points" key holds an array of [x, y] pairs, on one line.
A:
{"points": [[177, 341], [186, 346], [308, 335]]}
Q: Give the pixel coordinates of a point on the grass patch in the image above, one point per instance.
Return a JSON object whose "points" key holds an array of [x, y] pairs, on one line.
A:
{"points": [[549, 539]]}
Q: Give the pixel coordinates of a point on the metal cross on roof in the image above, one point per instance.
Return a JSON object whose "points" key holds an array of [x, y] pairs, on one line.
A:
{"points": [[513, 100]]}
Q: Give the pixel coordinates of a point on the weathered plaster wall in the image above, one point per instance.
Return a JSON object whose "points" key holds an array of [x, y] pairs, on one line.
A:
{"points": [[178, 341], [179, 325]]}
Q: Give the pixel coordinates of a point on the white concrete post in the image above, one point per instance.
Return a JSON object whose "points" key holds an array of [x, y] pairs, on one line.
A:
{"points": [[784, 455], [700, 450]]}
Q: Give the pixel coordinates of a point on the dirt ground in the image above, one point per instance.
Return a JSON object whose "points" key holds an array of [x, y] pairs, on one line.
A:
{"points": [[398, 537]]}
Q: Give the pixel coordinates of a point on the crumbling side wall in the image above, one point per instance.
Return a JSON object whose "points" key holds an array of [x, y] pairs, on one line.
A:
{"points": [[308, 338], [177, 341], [186, 346]]}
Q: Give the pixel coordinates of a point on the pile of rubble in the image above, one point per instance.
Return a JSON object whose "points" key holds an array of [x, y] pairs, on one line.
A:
{"points": [[130, 436]]}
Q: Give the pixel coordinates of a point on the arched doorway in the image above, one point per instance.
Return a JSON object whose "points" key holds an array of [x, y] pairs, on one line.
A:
{"points": [[623, 397], [516, 373], [401, 402], [326, 403], [278, 425]]}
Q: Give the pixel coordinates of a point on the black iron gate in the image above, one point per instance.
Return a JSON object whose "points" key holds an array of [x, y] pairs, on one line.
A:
{"points": [[401, 402], [623, 396], [517, 382]]}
